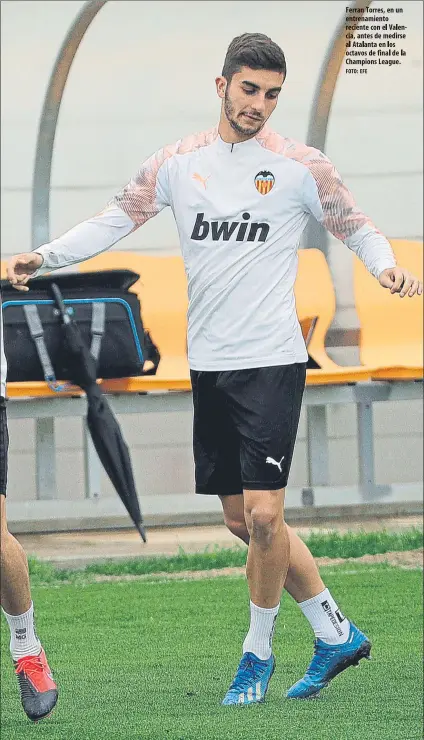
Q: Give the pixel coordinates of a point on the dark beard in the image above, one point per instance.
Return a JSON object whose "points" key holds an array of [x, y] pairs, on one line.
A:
{"points": [[229, 112]]}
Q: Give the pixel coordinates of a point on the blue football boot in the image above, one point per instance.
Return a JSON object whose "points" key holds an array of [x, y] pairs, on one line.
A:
{"points": [[329, 661], [251, 681]]}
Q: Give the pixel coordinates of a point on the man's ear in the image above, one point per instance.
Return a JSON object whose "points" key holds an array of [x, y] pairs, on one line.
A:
{"points": [[221, 86]]}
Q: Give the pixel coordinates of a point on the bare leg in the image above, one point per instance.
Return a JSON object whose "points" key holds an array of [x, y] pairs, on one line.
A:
{"points": [[304, 584], [266, 568], [15, 595], [303, 580], [269, 546]]}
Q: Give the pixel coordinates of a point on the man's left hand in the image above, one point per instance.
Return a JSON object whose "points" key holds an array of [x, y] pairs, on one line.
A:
{"points": [[400, 281]]}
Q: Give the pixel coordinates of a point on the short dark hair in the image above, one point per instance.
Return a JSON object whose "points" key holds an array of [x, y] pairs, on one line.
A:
{"points": [[254, 50]]}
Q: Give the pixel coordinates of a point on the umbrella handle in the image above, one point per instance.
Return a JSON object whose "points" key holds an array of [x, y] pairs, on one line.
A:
{"points": [[57, 295]]}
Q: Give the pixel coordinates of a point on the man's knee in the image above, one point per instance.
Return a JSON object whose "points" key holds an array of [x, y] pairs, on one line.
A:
{"points": [[237, 528], [233, 510], [264, 525], [265, 517]]}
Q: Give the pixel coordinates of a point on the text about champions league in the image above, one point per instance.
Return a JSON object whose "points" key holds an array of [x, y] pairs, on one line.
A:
{"points": [[375, 37]]}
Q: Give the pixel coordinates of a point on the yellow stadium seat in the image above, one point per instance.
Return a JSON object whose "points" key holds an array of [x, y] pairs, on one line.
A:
{"points": [[315, 297], [391, 327], [390, 348], [39, 389], [162, 290]]}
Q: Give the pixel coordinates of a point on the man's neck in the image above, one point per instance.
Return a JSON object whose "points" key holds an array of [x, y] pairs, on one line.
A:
{"points": [[229, 135]]}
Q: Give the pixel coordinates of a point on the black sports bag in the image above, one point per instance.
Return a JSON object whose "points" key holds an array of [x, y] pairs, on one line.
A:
{"points": [[108, 316]]}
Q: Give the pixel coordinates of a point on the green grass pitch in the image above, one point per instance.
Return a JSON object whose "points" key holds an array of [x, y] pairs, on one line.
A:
{"points": [[152, 661]]}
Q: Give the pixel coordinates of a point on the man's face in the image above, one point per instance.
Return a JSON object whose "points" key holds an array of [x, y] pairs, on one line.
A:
{"points": [[250, 98]]}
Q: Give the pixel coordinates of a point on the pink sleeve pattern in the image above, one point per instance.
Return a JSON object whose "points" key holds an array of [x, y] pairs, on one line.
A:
{"points": [[341, 216], [144, 197]]}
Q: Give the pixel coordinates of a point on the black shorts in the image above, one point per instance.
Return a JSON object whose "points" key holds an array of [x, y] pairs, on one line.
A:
{"points": [[4, 446], [245, 426]]}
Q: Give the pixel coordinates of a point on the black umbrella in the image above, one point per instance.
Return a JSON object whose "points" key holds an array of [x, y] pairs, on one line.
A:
{"points": [[104, 428]]}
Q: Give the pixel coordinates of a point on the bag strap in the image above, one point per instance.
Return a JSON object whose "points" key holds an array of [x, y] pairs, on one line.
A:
{"points": [[97, 328], [37, 333]]}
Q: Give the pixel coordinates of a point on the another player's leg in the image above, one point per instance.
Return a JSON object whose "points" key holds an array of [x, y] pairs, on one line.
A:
{"points": [[338, 643], [37, 688]]}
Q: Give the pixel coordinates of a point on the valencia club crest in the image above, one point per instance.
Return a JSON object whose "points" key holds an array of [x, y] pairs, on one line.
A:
{"points": [[264, 182]]}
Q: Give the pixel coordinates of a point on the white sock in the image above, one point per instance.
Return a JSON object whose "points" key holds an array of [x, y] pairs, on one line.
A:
{"points": [[23, 639], [326, 619], [259, 638]]}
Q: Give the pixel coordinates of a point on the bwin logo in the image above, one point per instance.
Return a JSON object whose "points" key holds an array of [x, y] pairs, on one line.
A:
{"points": [[224, 230]]}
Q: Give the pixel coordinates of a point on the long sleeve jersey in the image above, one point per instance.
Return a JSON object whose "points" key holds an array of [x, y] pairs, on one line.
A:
{"points": [[240, 210]]}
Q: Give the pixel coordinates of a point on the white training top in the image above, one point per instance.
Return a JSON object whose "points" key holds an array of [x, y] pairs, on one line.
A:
{"points": [[240, 210]]}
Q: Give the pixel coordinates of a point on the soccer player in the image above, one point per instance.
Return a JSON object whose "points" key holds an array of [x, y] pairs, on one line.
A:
{"points": [[37, 687], [242, 195]]}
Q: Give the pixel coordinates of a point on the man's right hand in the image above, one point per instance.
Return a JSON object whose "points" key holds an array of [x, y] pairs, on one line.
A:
{"points": [[21, 267]]}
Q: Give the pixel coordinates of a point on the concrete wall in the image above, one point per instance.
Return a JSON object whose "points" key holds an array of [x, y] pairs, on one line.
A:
{"points": [[144, 76], [162, 459]]}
